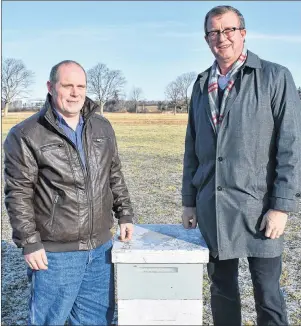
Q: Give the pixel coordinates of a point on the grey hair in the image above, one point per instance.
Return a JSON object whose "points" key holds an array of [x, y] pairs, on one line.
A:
{"points": [[53, 77], [220, 10]]}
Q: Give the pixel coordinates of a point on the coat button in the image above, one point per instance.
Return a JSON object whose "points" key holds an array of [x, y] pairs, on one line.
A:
{"points": [[220, 159], [219, 188], [298, 194]]}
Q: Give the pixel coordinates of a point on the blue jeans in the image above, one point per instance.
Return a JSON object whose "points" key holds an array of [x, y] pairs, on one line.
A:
{"points": [[78, 286], [225, 297]]}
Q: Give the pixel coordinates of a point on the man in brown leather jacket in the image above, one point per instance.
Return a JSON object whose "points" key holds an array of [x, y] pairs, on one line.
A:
{"points": [[63, 180]]}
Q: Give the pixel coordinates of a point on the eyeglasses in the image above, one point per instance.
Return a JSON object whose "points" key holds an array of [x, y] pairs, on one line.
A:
{"points": [[228, 32]]}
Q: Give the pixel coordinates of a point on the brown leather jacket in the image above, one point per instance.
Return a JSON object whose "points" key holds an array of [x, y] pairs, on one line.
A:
{"points": [[51, 199]]}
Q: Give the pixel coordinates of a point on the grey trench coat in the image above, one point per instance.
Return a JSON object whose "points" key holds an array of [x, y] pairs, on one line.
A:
{"points": [[252, 165]]}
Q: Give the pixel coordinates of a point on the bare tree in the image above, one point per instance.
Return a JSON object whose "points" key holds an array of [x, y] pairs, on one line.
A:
{"points": [[15, 80], [115, 104], [184, 81], [104, 83], [173, 93], [160, 106], [143, 105], [136, 95], [299, 92]]}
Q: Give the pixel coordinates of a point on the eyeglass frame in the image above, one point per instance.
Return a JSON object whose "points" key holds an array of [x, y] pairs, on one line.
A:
{"points": [[219, 32]]}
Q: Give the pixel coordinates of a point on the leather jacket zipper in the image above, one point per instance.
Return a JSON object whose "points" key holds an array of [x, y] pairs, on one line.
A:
{"points": [[89, 189], [86, 174], [56, 198]]}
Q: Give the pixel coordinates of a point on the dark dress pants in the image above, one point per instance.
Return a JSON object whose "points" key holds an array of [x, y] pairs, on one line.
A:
{"points": [[225, 297]]}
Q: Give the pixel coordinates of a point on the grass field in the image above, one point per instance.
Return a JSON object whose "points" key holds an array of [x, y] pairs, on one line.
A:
{"points": [[151, 149]]}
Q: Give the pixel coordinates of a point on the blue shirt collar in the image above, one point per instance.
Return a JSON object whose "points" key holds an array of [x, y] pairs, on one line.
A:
{"points": [[61, 119]]}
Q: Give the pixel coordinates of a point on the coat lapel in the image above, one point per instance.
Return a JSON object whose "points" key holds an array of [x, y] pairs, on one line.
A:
{"points": [[205, 98], [252, 61], [233, 94]]}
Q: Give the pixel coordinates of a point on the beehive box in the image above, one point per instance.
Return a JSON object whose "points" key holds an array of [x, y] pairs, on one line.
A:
{"points": [[160, 275]]}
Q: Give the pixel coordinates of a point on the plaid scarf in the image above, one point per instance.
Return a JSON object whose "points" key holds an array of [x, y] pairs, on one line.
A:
{"points": [[217, 111]]}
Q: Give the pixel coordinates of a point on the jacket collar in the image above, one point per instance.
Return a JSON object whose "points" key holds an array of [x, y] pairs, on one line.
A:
{"points": [[202, 77], [87, 110], [252, 61]]}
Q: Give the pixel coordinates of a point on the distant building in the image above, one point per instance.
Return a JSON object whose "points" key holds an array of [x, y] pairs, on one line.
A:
{"points": [[17, 104], [34, 103]]}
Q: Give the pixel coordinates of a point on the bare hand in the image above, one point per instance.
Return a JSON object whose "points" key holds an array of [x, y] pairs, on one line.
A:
{"points": [[189, 217], [126, 231], [37, 260], [274, 222]]}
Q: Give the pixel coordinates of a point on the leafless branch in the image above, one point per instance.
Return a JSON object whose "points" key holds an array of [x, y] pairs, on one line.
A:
{"points": [[15, 79], [184, 81], [104, 83]]}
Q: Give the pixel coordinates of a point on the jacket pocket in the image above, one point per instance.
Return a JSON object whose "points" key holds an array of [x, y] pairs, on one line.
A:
{"points": [[107, 206], [52, 146], [100, 142], [202, 176], [101, 145], [261, 181], [103, 151], [101, 139], [54, 205], [52, 153]]}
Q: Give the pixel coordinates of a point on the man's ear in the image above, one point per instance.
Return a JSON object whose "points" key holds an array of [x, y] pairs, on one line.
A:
{"points": [[243, 34], [206, 39], [49, 87]]}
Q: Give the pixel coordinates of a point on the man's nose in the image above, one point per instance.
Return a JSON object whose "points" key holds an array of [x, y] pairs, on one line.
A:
{"points": [[221, 36], [74, 91]]}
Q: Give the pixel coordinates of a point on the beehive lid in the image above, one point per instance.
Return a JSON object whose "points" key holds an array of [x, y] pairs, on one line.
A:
{"points": [[161, 243]]}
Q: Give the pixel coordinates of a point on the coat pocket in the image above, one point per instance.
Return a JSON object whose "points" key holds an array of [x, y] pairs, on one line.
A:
{"points": [[203, 175], [101, 139], [53, 146], [54, 205], [108, 202], [53, 153], [102, 147]]}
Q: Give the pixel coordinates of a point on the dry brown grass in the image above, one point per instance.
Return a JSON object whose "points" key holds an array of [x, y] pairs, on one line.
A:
{"points": [[13, 118], [147, 118], [115, 118]]}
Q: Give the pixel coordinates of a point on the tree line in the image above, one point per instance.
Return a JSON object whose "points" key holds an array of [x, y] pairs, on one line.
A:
{"points": [[104, 84]]}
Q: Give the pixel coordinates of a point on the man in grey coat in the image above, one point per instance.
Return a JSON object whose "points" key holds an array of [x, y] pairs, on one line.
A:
{"points": [[242, 168]]}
